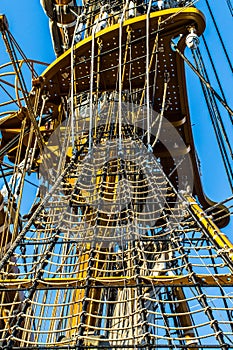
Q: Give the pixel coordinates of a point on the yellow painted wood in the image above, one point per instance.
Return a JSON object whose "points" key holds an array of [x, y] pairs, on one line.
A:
{"points": [[215, 234], [182, 280]]}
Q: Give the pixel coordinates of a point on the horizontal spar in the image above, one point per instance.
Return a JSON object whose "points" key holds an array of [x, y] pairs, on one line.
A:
{"points": [[183, 280]]}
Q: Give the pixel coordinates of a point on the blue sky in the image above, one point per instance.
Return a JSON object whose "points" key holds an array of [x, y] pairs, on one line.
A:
{"points": [[29, 25], [207, 149]]}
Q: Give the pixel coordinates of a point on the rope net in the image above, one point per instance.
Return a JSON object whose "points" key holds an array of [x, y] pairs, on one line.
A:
{"points": [[113, 256], [113, 253]]}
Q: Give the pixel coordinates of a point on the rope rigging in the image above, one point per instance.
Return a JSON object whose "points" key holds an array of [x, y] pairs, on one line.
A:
{"points": [[18, 48], [117, 251], [229, 4], [219, 35], [210, 94], [12, 53], [216, 76], [220, 131], [206, 83]]}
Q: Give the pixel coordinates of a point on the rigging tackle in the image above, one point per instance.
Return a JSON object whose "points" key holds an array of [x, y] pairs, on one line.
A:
{"points": [[64, 16], [113, 256]]}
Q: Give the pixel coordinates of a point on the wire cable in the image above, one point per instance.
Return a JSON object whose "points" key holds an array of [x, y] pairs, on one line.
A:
{"points": [[215, 118], [229, 4], [216, 75], [219, 36]]}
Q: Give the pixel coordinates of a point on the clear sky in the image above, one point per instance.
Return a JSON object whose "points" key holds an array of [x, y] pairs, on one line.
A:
{"points": [[29, 25]]}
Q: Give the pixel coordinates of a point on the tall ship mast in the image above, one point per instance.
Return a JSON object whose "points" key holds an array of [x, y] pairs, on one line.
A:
{"points": [[108, 240]]}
